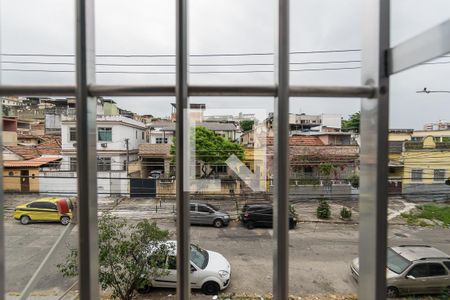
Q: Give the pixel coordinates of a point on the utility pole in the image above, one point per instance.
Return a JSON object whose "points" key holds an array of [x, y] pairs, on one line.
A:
{"points": [[128, 153]]}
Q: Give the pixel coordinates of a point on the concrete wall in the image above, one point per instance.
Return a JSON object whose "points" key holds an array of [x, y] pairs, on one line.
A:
{"points": [[13, 184], [113, 183], [9, 138], [122, 128]]}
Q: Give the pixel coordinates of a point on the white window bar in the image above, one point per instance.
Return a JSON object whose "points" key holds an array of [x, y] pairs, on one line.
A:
{"points": [[280, 266], [182, 160], [2, 199], [430, 44], [373, 196], [86, 150]]}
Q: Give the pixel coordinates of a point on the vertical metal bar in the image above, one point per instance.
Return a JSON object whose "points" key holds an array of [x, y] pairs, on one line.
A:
{"points": [[281, 121], [86, 151], [374, 152], [182, 160], [2, 198]]}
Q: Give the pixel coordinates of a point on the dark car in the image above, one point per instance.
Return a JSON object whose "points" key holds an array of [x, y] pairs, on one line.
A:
{"points": [[261, 215]]}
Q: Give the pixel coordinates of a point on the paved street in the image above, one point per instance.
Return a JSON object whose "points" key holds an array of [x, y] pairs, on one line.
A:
{"points": [[319, 254]]}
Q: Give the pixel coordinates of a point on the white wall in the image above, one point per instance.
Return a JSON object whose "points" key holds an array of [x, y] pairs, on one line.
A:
{"points": [[122, 128], [65, 183], [160, 134], [117, 161], [331, 120]]}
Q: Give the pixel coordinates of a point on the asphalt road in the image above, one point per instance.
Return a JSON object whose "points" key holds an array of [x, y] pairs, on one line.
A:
{"points": [[319, 255]]}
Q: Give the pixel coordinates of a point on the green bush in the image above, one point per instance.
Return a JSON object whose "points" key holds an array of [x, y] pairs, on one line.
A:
{"points": [[346, 214], [354, 181], [293, 211], [124, 261], [323, 210]]}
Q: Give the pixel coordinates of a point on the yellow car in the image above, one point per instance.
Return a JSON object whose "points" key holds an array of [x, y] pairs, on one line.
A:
{"points": [[53, 209]]}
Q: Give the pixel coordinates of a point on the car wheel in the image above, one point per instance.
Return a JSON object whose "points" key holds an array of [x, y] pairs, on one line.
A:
{"points": [[65, 220], [145, 289], [211, 288], [25, 220], [218, 223], [392, 292], [250, 225]]}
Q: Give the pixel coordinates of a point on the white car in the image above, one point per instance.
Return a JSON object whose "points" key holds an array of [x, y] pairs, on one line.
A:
{"points": [[210, 271]]}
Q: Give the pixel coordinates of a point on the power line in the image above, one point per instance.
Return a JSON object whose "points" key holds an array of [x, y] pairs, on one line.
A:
{"points": [[173, 65], [173, 73], [192, 55]]}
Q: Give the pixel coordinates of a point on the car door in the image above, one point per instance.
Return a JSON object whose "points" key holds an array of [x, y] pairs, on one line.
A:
{"points": [[169, 278], [267, 217], [205, 214], [42, 211], [416, 279], [193, 213], [51, 211], [427, 278], [439, 278], [196, 277]]}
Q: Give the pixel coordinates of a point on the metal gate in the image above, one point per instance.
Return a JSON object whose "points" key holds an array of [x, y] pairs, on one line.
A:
{"points": [[141, 187]]}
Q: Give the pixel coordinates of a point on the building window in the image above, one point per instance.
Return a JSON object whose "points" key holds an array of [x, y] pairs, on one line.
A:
{"points": [[161, 140], [73, 164], [72, 134], [105, 134], [103, 163], [439, 175], [220, 169], [143, 135], [416, 174]]}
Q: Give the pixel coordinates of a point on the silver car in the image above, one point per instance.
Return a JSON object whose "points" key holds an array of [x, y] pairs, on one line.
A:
{"points": [[207, 214], [413, 270]]}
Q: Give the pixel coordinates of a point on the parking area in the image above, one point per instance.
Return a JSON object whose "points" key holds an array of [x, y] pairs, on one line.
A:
{"points": [[320, 253]]}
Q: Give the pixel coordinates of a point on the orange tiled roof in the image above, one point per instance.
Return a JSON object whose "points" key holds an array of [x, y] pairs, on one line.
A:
{"points": [[49, 146], [154, 150], [35, 162], [27, 152]]}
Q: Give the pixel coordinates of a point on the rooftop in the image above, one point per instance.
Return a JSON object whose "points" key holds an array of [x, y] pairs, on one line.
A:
{"points": [[154, 150], [35, 162], [418, 252]]}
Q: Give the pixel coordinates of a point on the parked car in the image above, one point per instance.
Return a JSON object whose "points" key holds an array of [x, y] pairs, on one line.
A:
{"points": [[207, 214], [210, 271], [261, 215], [155, 174], [413, 270], [44, 210]]}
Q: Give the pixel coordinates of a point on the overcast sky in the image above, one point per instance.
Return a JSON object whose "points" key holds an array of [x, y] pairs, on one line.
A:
{"points": [[227, 26]]}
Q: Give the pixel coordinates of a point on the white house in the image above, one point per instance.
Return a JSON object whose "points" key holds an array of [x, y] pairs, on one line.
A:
{"points": [[118, 140]]}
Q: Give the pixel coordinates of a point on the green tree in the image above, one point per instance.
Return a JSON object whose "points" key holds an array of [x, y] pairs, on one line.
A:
{"points": [[5, 110], [212, 149], [353, 123], [246, 125], [124, 258]]}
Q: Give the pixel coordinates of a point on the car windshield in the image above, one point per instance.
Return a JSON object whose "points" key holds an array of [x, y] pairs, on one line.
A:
{"points": [[199, 256], [395, 262]]}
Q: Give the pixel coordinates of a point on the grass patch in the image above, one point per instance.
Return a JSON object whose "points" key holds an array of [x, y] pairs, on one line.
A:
{"points": [[429, 212]]}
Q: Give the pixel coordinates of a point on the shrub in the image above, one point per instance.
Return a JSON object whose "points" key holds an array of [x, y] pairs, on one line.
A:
{"points": [[354, 181], [323, 210], [293, 211], [346, 214], [124, 259]]}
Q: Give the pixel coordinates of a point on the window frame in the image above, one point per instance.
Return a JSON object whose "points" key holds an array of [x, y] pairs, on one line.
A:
{"points": [[107, 131], [416, 175]]}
